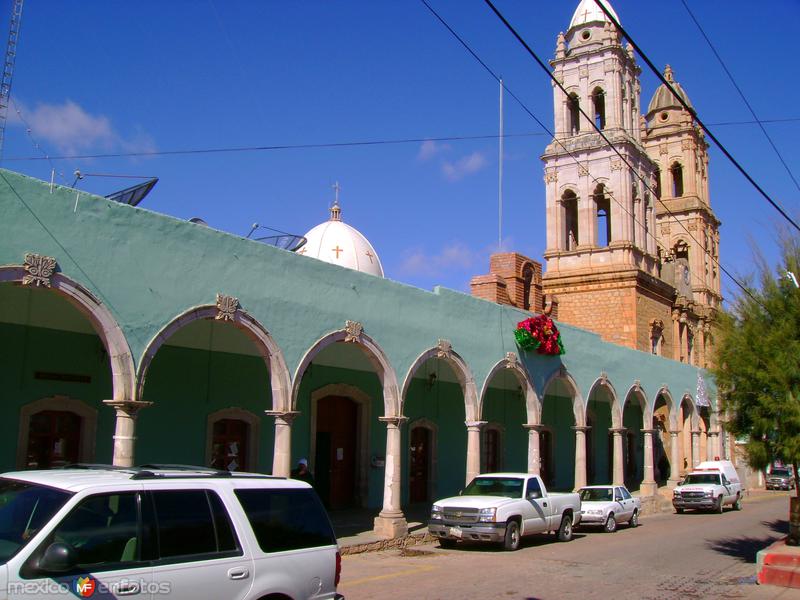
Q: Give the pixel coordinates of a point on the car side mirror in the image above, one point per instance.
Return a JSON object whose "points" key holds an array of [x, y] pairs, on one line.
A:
{"points": [[618, 499], [58, 558], [534, 495]]}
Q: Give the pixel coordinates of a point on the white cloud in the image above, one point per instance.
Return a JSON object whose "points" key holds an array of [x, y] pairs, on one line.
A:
{"points": [[464, 166], [454, 256], [431, 148], [71, 129]]}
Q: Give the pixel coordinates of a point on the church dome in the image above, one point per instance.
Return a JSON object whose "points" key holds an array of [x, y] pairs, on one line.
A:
{"points": [[334, 241], [588, 12], [664, 99]]}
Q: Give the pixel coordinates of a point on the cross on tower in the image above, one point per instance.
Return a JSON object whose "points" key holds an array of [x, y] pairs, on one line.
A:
{"points": [[336, 187]]}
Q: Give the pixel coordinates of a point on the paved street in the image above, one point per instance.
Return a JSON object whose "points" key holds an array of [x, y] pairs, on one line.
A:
{"points": [[667, 557]]}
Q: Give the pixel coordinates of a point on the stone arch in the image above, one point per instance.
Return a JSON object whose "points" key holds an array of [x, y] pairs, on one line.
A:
{"points": [[669, 403], [374, 354], [87, 414], [695, 413], [102, 321], [533, 405], [578, 405], [266, 345], [637, 394], [616, 408], [461, 371]]}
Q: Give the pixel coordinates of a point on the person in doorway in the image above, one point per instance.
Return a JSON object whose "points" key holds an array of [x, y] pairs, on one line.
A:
{"points": [[302, 472]]}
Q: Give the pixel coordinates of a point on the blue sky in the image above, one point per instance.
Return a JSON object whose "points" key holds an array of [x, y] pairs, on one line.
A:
{"points": [[97, 76]]}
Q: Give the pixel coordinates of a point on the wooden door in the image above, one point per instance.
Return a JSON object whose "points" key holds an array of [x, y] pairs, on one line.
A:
{"points": [[420, 465], [229, 445], [337, 436], [54, 439]]}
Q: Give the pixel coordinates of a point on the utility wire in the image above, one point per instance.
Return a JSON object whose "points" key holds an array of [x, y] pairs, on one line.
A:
{"points": [[34, 141], [692, 112], [263, 148], [741, 94]]}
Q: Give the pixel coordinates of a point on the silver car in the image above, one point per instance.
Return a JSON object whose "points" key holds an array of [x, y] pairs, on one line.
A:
{"points": [[608, 506]]}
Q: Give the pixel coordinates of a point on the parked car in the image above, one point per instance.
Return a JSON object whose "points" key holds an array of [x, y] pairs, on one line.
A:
{"points": [[710, 486], [504, 507], [179, 533], [780, 478], [609, 505]]}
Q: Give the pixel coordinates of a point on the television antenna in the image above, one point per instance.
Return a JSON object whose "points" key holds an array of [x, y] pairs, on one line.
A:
{"points": [[8, 67]]}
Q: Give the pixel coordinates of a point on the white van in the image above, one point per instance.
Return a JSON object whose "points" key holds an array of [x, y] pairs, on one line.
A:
{"points": [[725, 466], [710, 486]]}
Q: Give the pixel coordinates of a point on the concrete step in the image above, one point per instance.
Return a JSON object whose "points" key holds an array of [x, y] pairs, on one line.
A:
{"points": [[779, 564], [788, 577]]}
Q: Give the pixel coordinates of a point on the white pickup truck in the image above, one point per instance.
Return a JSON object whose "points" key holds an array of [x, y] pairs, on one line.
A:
{"points": [[503, 507], [710, 486]]}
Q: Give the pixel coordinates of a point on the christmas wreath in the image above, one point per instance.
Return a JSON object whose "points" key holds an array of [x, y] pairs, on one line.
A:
{"points": [[540, 334]]}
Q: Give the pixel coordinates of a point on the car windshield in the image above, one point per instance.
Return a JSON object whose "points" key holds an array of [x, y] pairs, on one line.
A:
{"points": [[700, 478], [24, 509], [781, 473], [596, 494], [510, 487]]}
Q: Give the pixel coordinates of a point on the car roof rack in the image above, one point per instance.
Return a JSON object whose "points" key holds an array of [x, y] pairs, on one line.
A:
{"points": [[178, 471]]}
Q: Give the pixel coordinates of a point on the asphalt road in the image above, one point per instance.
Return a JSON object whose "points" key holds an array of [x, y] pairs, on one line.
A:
{"points": [[667, 557]]}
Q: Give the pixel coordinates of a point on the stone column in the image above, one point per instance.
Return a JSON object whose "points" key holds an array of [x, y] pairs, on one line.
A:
{"points": [[696, 460], [580, 456], [712, 445], [619, 464], [674, 459], [390, 522], [648, 486], [534, 455], [282, 450], [125, 430], [473, 448], [676, 335]]}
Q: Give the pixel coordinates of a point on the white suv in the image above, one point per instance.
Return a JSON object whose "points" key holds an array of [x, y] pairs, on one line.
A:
{"points": [[163, 531]]}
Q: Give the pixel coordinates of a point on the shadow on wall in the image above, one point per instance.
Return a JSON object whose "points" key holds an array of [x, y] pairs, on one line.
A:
{"points": [[746, 548]]}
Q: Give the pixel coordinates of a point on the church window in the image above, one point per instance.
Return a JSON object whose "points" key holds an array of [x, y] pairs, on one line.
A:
{"points": [[677, 180], [573, 106], [657, 190], [569, 202], [599, 105], [603, 211], [527, 280]]}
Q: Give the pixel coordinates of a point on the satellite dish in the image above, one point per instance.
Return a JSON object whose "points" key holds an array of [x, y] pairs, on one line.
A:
{"points": [[284, 241], [132, 195], [198, 221]]}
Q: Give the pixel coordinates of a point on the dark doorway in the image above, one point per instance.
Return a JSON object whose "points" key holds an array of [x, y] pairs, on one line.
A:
{"points": [[335, 459], [547, 469], [229, 445], [420, 464], [54, 439]]}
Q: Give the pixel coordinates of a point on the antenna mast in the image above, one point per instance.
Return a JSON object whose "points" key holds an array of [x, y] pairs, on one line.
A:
{"points": [[500, 178], [8, 68]]}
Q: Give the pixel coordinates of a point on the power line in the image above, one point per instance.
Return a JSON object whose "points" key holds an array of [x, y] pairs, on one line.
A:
{"points": [[692, 112], [311, 146], [741, 94], [610, 145]]}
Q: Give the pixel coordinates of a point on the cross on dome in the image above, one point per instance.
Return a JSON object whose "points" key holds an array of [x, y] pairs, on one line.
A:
{"points": [[336, 210]]}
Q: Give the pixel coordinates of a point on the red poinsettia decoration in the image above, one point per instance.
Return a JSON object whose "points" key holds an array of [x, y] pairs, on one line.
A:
{"points": [[539, 333]]}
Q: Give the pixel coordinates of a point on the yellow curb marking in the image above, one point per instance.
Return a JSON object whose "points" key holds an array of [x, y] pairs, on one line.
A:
{"points": [[422, 569]]}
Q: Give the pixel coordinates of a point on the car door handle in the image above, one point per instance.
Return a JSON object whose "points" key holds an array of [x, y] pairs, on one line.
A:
{"points": [[238, 573], [544, 504], [128, 589]]}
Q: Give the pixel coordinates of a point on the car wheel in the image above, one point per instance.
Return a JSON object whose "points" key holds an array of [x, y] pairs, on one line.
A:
{"points": [[611, 524], [634, 522], [738, 504], [679, 511], [445, 543], [511, 541], [564, 533], [718, 508]]}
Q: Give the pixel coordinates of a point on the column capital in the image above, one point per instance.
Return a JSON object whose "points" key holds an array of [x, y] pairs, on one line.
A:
{"points": [[533, 426], [675, 433], [396, 420], [648, 431], [285, 415], [710, 433], [475, 424], [697, 431], [581, 428], [617, 430], [130, 407]]}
